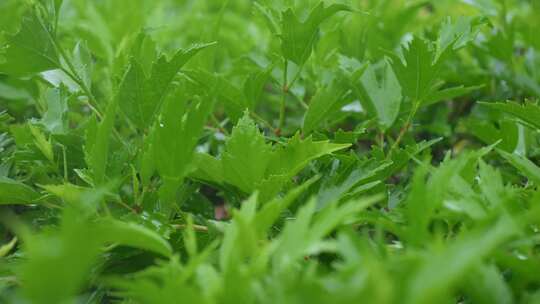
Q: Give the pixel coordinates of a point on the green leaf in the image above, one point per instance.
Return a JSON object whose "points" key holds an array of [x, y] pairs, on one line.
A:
{"points": [[14, 192], [486, 131], [418, 71], [133, 235], [442, 270], [457, 34], [525, 167], [230, 96], [270, 186], [250, 164], [298, 37], [449, 94], [176, 134], [68, 192], [302, 234], [144, 51], [401, 157], [6, 248], [97, 144], [31, 50], [270, 212], [83, 64], [140, 96], [64, 256], [419, 66], [42, 143], [208, 168], [254, 85], [246, 156], [85, 200], [382, 93], [55, 118], [423, 203], [527, 112], [492, 186], [336, 190], [488, 277], [328, 100], [268, 17], [290, 158], [240, 239], [52, 7]]}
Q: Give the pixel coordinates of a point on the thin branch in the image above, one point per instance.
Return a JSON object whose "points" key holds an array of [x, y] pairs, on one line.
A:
{"points": [[195, 227], [284, 91]]}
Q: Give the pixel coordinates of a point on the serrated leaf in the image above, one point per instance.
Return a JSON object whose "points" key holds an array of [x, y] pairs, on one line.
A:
{"points": [[298, 37], [97, 144], [331, 192], [419, 66], [455, 34], [487, 132], [328, 100], [449, 94], [231, 97], [254, 85], [64, 256], [144, 51], [208, 168], [299, 235], [270, 211], [83, 199], [488, 277], [43, 144], [297, 153], [528, 112], [55, 118], [68, 192], [14, 192], [246, 156], [382, 93], [133, 235], [436, 276], [176, 134], [525, 167], [418, 71], [31, 50], [83, 64], [250, 164], [270, 187], [140, 96], [422, 204], [268, 16]]}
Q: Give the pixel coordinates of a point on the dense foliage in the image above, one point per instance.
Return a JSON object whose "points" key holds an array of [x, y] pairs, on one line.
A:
{"points": [[210, 151]]}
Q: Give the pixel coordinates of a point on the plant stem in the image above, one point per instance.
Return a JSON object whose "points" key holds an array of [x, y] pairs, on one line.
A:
{"points": [[79, 83], [402, 131], [262, 120], [73, 75], [284, 91], [219, 127], [65, 163], [71, 72], [380, 140], [296, 76], [195, 227]]}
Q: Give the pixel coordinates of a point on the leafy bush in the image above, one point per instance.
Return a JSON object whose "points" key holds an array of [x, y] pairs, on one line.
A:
{"points": [[269, 151]]}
